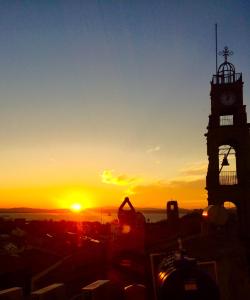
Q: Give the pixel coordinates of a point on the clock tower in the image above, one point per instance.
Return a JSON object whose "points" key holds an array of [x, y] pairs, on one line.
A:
{"points": [[228, 144]]}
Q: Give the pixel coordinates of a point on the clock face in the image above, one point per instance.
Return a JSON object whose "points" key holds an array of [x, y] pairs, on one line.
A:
{"points": [[227, 98]]}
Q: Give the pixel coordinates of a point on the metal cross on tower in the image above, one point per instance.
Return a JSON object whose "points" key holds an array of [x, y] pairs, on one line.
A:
{"points": [[226, 52]]}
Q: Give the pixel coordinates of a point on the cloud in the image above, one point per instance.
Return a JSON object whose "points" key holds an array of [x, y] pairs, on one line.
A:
{"points": [[188, 188], [189, 194], [121, 179], [192, 172], [199, 168], [153, 149]]}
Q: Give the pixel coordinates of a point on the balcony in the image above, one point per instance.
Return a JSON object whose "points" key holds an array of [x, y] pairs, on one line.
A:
{"points": [[228, 178], [226, 78]]}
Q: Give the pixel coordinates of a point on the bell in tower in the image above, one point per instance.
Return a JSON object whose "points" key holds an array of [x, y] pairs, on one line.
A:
{"points": [[228, 144]]}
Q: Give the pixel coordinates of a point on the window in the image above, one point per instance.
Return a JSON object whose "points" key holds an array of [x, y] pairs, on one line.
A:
{"points": [[227, 165], [226, 120]]}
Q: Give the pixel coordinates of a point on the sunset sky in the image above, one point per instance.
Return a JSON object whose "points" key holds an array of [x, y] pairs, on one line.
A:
{"points": [[105, 99]]}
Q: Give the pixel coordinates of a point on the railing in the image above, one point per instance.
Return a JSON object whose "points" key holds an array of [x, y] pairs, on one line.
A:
{"points": [[228, 178], [220, 79]]}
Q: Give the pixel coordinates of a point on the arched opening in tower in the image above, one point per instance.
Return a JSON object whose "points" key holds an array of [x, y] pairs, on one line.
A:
{"points": [[232, 211], [227, 165], [230, 206]]}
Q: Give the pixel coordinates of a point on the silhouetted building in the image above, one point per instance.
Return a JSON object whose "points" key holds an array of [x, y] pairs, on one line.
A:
{"points": [[228, 144], [130, 217], [172, 211]]}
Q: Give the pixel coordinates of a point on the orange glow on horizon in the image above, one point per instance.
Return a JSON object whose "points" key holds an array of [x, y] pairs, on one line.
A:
{"points": [[188, 194]]}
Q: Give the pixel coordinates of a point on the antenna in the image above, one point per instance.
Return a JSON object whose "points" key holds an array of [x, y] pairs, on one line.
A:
{"points": [[216, 47]]}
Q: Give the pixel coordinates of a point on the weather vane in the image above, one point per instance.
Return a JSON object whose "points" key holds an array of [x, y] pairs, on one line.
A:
{"points": [[226, 52]]}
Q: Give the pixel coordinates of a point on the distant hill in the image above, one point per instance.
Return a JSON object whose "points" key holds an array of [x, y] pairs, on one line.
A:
{"points": [[102, 209], [31, 210]]}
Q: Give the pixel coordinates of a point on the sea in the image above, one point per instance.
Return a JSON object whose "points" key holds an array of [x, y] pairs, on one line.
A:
{"points": [[84, 216]]}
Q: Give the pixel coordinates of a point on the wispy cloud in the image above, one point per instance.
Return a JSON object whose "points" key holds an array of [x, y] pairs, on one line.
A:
{"points": [[198, 168], [121, 179], [189, 194], [192, 172], [153, 149], [188, 188]]}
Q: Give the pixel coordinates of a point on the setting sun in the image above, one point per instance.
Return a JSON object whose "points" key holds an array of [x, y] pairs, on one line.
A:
{"points": [[76, 200], [76, 207]]}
